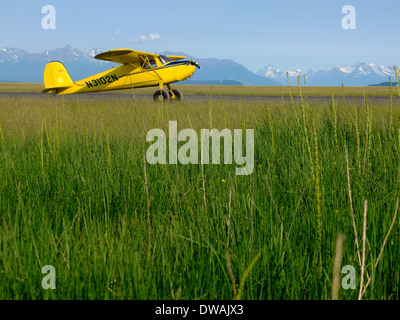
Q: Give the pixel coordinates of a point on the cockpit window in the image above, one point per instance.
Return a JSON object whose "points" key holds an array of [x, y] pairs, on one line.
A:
{"points": [[165, 59], [153, 64]]}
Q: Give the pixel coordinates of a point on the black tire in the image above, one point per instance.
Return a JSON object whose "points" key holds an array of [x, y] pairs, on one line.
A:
{"points": [[178, 95], [161, 95]]}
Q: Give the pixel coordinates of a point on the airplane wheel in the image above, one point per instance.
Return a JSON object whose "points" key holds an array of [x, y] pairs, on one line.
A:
{"points": [[178, 95], [160, 95]]}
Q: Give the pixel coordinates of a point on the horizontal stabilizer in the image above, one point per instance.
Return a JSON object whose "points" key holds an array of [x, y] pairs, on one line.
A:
{"points": [[55, 89]]}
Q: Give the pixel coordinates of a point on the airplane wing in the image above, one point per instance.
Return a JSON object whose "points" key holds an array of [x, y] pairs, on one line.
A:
{"points": [[176, 57], [127, 56]]}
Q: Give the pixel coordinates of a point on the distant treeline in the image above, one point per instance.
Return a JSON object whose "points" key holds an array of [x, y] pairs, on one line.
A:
{"points": [[384, 84]]}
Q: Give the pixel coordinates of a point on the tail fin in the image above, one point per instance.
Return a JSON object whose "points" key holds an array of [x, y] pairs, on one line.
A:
{"points": [[56, 78]]}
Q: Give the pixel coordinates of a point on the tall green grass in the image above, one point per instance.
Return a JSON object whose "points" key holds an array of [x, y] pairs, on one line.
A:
{"points": [[76, 193]]}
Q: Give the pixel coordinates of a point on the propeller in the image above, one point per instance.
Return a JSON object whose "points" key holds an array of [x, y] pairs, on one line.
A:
{"points": [[194, 63]]}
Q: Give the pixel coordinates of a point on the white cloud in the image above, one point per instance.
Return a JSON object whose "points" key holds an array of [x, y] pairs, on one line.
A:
{"points": [[144, 37], [115, 34], [154, 36]]}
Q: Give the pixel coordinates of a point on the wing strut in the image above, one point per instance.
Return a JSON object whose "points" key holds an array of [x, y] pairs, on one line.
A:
{"points": [[147, 62]]}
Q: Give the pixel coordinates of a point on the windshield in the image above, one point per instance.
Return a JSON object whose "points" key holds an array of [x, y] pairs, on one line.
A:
{"points": [[165, 59]]}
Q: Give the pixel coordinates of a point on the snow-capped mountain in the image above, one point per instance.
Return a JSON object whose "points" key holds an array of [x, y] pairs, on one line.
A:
{"points": [[65, 54], [22, 66], [94, 52], [69, 54], [363, 69], [357, 75], [279, 75], [12, 55], [273, 72]]}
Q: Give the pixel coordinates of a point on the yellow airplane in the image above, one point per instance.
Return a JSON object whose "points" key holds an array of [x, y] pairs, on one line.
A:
{"points": [[138, 69]]}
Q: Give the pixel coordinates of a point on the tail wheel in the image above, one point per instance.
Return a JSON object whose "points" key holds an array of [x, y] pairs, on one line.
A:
{"points": [[178, 95], [161, 95]]}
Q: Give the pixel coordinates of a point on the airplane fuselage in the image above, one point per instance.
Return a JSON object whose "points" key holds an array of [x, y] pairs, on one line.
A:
{"points": [[133, 76]]}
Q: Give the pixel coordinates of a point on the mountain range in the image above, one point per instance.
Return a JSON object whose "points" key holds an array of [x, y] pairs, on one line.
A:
{"points": [[357, 75], [17, 65]]}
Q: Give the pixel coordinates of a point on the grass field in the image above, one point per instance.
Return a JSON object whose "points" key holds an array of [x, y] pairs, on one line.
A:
{"points": [[77, 193]]}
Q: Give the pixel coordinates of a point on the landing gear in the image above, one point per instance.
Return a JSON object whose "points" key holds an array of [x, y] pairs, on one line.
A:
{"points": [[161, 95], [176, 96], [171, 94]]}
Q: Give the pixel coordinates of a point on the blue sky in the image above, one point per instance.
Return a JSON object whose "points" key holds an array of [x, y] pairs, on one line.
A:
{"points": [[304, 34]]}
